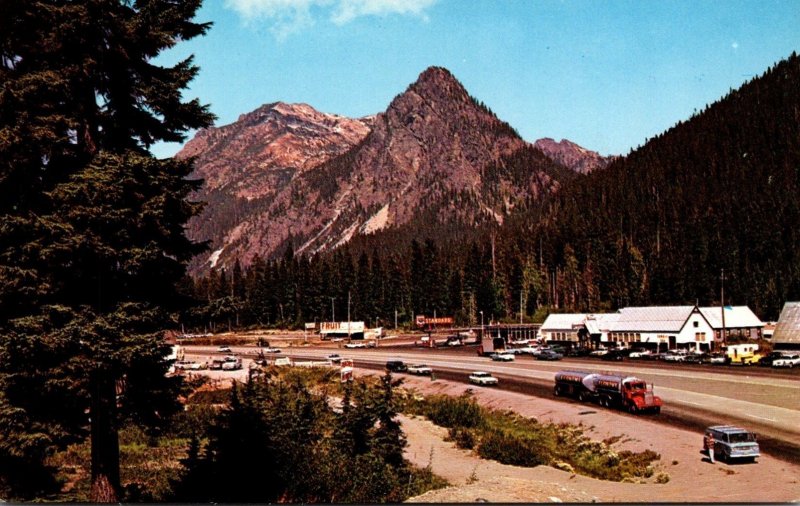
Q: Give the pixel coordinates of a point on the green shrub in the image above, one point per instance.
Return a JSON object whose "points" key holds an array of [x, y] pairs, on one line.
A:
{"points": [[447, 411], [513, 450], [462, 437]]}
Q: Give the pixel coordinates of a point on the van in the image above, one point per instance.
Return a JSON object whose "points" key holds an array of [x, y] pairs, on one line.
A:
{"points": [[733, 443]]}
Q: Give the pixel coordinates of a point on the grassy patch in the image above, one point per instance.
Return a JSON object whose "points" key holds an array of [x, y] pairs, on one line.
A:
{"points": [[512, 439]]}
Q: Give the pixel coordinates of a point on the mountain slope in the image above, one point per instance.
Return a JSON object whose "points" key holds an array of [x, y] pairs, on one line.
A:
{"points": [[251, 160], [435, 150], [715, 192]]}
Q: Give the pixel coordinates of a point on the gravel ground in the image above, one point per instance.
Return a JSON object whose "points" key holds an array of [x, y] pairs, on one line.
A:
{"points": [[692, 478]]}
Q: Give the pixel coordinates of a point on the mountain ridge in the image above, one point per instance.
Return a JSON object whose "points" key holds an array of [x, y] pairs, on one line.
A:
{"points": [[435, 146]]}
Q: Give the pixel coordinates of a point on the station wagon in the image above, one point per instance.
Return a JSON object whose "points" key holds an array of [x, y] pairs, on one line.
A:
{"points": [[733, 443]]}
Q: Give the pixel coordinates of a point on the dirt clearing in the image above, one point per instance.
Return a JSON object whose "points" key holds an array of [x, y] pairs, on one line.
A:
{"points": [[691, 477]]}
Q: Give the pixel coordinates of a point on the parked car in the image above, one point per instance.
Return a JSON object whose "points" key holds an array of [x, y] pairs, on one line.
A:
{"points": [[673, 357], [231, 363], [768, 359], [190, 365], [521, 341], [579, 352], [454, 341], [334, 358], [639, 353], [283, 361], [271, 350], [396, 366], [421, 370], [613, 355], [502, 357], [695, 358], [527, 350], [598, 353], [355, 345], [717, 359], [482, 378], [790, 361], [224, 349], [549, 355], [731, 442]]}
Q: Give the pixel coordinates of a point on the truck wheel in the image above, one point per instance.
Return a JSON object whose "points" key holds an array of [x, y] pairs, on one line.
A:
{"points": [[633, 409], [556, 392], [582, 397], [657, 410]]}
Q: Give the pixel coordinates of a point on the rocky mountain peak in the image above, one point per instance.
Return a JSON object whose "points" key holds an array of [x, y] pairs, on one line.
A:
{"points": [[572, 156], [287, 173]]}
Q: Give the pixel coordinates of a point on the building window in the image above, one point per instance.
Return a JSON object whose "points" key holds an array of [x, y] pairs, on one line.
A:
{"points": [[700, 337], [696, 324]]}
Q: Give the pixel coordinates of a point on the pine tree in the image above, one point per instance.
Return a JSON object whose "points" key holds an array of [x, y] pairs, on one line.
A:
{"points": [[92, 224]]}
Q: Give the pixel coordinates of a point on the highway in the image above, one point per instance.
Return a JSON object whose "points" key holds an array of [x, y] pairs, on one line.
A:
{"points": [[765, 401]]}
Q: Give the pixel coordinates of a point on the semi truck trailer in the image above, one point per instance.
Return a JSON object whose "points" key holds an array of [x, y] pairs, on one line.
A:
{"points": [[610, 390]]}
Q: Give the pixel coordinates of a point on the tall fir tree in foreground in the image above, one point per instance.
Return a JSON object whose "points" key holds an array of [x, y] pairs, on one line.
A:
{"points": [[91, 224]]}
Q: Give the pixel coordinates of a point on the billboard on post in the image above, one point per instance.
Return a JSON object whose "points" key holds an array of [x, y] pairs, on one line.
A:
{"points": [[426, 322], [341, 328]]}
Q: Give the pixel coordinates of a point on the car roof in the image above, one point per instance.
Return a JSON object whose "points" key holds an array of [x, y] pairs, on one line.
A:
{"points": [[727, 428]]}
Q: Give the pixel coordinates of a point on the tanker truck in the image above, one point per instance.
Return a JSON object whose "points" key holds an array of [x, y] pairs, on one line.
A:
{"points": [[609, 390]]}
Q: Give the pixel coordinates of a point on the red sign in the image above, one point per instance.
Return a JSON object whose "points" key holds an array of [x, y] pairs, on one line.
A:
{"points": [[425, 321]]}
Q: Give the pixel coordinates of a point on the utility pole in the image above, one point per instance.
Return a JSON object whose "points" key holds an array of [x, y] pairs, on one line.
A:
{"points": [[722, 305], [348, 316], [333, 314]]}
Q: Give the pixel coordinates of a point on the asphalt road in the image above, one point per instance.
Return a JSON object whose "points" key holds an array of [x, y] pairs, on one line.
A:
{"points": [[765, 401]]}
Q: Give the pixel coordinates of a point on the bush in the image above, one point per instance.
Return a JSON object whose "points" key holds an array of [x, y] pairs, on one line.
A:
{"points": [[513, 450], [447, 411], [463, 438]]}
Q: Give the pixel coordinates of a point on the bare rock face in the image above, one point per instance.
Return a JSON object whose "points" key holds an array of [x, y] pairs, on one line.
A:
{"points": [[287, 174], [251, 160], [572, 156]]}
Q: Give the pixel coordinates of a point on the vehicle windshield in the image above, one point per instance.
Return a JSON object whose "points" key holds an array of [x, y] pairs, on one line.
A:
{"points": [[742, 437], [637, 385]]}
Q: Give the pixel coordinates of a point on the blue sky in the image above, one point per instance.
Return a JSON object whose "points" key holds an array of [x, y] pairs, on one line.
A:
{"points": [[605, 74]]}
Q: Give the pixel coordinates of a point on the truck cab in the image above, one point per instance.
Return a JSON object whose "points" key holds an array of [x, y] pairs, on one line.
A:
{"points": [[638, 397]]}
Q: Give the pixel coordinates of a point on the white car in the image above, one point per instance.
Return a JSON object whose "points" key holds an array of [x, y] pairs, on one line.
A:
{"points": [[334, 358], [640, 354], [422, 370], [789, 361], [355, 345], [231, 363], [482, 378], [598, 353], [502, 357], [528, 350], [271, 350], [224, 349], [521, 341], [190, 365]]}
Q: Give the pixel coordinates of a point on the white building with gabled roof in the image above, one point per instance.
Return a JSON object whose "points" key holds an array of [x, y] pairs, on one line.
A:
{"points": [[563, 327], [740, 321], [667, 327], [655, 327]]}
